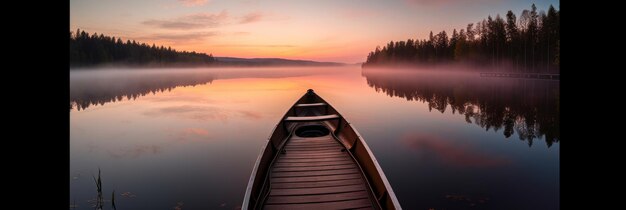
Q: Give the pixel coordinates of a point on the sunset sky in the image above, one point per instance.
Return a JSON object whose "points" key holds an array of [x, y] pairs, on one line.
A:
{"points": [[321, 30]]}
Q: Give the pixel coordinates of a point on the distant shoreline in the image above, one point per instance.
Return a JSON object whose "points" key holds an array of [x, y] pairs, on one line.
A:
{"points": [[100, 51], [255, 62]]}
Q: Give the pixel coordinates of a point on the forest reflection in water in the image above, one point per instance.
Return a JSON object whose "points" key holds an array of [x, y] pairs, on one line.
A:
{"points": [[97, 87], [527, 107]]}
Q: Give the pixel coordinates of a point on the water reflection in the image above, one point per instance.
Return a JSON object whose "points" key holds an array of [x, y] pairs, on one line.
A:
{"points": [[97, 87], [529, 108], [452, 154], [202, 113], [193, 147], [136, 151], [191, 134], [91, 87], [193, 142]]}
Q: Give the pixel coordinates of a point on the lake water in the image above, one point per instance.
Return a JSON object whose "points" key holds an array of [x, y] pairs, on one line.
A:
{"points": [[188, 138]]}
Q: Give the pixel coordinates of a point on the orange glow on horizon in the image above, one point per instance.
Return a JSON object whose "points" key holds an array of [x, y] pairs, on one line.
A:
{"points": [[307, 30]]}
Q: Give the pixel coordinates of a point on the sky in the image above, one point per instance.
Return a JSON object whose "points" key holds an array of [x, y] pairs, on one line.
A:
{"points": [[321, 30]]}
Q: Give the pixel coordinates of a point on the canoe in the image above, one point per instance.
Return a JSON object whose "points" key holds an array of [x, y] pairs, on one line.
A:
{"points": [[315, 159]]}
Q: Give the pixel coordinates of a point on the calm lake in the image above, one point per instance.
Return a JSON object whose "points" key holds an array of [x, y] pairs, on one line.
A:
{"points": [[188, 138]]}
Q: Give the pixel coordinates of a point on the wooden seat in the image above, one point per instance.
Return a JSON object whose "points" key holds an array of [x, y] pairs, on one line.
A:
{"points": [[311, 105], [312, 118]]}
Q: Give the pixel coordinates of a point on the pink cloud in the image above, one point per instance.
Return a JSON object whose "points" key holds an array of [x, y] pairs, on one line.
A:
{"points": [[426, 2], [196, 131], [192, 21], [251, 17], [193, 36], [451, 153], [441, 2], [354, 13], [240, 33], [191, 3], [251, 115]]}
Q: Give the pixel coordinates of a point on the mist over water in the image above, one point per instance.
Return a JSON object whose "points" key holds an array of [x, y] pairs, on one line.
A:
{"points": [[99, 86], [188, 138]]}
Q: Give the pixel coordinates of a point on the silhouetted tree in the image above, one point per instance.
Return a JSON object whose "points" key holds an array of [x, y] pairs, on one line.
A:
{"points": [[512, 37]]}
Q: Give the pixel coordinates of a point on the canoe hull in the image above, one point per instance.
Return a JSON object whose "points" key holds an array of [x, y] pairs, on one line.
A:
{"points": [[342, 131]]}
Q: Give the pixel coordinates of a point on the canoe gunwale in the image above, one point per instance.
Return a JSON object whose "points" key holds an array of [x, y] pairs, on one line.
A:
{"points": [[268, 175], [370, 190], [246, 197], [388, 189]]}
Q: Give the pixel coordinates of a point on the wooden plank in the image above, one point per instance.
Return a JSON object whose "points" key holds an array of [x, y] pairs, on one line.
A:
{"points": [[305, 144], [299, 156], [318, 184], [317, 190], [310, 140], [330, 147], [310, 105], [315, 168], [312, 118], [304, 153], [312, 137], [312, 159], [294, 156], [312, 152], [295, 152], [313, 164], [283, 160], [316, 198], [351, 204], [315, 178], [314, 173], [320, 149], [298, 138], [313, 146], [315, 149]]}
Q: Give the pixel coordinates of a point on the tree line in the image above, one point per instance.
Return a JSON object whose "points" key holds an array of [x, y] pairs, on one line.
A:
{"points": [[95, 49], [528, 43]]}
